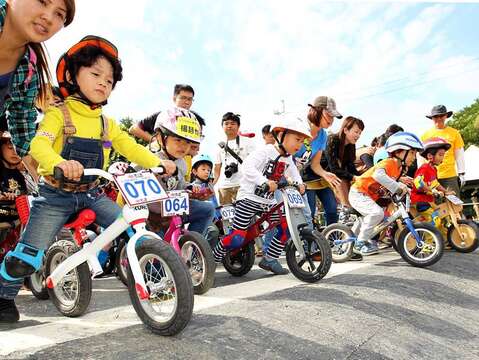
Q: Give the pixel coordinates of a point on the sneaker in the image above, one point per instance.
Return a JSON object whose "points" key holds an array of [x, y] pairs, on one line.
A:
{"points": [[272, 265], [369, 249], [8, 311], [356, 256]]}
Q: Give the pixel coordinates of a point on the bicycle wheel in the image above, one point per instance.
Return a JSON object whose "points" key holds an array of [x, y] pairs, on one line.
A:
{"points": [[431, 250], [36, 284], [469, 231], [318, 258], [71, 296], [335, 232], [198, 257], [121, 262], [241, 262], [169, 305]]}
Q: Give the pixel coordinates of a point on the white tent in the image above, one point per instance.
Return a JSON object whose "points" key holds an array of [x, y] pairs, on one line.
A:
{"points": [[472, 163]]}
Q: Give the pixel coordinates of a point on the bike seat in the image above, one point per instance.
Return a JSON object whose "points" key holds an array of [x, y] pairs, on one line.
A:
{"points": [[81, 219]]}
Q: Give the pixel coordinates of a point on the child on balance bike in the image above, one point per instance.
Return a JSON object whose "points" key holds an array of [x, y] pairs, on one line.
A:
{"points": [[266, 165], [74, 136]]}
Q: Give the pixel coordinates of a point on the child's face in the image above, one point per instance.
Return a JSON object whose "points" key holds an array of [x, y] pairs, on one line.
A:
{"points": [[438, 158], [292, 142], [194, 149], [38, 19], [411, 156], [177, 147], [202, 172], [96, 81], [9, 154]]}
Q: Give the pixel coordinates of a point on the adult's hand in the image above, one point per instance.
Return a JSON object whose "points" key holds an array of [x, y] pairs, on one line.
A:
{"points": [[332, 179]]}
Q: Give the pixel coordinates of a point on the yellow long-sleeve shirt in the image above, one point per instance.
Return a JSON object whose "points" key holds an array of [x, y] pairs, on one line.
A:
{"points": [[47, 144]]}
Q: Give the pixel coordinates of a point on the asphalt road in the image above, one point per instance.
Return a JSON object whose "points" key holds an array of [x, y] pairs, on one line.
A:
{"points": [[381, 308]]}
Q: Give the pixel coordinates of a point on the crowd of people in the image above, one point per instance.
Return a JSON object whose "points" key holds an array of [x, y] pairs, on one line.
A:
{"points": [[75, 134]]}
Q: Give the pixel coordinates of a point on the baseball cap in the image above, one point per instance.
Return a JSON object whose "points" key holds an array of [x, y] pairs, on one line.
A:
{"points": [[328, 103]]}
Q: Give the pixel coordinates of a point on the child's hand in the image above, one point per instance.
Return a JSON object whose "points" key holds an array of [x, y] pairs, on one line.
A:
{"points": [[406, 180], [272, 186], [302, 188], [170, 166], [402, 189], [196, 188], [72, 169], [8, 196], [449, 192]]}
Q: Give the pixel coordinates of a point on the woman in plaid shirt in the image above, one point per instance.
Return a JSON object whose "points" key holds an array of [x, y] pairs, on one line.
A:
{"points": [[24, 74]]}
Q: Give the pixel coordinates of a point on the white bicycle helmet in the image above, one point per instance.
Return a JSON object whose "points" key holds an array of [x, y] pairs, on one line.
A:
{"points": [[179, 122], [403, 141], [291, 123]]}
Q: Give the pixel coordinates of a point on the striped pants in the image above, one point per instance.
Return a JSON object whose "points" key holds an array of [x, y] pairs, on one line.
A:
{"points": [[245, 211]]}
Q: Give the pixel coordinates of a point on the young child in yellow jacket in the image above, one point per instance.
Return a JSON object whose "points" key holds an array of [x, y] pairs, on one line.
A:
{"points": [[73, 136]]}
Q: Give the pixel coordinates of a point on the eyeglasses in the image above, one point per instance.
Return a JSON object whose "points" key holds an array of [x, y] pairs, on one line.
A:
{"points": [[186, 98]]}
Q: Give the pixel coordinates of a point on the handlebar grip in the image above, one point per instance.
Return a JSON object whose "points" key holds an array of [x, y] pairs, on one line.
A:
{"points": [[160, 170], [58, 173]]}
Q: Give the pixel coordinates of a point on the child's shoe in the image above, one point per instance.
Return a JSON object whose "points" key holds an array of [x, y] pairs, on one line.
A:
{"points": [[356, 255], [272, 265], [369, 249], [8, 311]]}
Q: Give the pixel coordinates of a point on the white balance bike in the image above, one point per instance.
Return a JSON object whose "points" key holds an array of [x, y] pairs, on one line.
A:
{"points": [[162, 291]]}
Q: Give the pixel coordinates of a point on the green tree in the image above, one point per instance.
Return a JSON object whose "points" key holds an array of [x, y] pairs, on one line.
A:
{"points": [[125, 124], [467, 122]]}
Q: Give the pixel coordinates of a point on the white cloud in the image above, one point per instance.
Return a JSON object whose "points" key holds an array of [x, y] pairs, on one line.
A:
{"points": [[248, 55]]}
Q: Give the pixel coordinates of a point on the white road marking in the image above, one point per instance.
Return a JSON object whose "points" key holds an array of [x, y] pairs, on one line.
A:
{"points": [[61, 329]]}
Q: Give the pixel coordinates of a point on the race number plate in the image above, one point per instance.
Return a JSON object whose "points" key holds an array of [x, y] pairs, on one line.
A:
{"points": [[295, 200], [177, 203], [227, 212], [454, 199], [140, 188]]}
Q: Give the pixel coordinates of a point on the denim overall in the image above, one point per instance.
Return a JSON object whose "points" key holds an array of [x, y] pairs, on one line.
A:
{"points": [[52, 209]]}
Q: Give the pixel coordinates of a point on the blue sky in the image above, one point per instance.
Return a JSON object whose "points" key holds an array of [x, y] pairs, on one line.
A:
{"points": [[382, 61]]}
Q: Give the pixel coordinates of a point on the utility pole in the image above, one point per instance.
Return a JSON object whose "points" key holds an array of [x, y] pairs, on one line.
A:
{"points": [[277, 112]]}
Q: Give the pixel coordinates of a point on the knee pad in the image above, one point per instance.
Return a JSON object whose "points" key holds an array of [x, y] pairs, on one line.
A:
{"points": [[234, 239], [282, 232], [21, 262]]}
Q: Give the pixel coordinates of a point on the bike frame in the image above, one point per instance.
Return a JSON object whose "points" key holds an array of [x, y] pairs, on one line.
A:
{"points": [[400, 213], [293, 216], [131, 216]]}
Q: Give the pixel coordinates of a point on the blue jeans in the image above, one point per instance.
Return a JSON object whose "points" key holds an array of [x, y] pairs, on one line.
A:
{"points": [[49, 212], [201, 215], [327, 198]]}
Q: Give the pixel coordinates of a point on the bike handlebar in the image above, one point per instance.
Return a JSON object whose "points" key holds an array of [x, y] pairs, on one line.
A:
{"points": [[58, 173], [264, 188]]}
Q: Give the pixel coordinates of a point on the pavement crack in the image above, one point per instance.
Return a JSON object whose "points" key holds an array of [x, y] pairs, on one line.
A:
{"points": [[364, 342]]}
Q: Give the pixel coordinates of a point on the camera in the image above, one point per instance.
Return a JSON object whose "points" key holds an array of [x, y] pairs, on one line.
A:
{"points": [[231, 169]]}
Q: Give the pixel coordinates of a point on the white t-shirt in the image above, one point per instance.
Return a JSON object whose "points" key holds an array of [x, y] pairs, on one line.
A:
{"points": [[253, 173], [246, 146]]}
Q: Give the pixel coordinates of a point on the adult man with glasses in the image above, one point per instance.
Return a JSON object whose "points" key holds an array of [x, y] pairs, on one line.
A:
{"points": [[183, 97], [451, 173]]}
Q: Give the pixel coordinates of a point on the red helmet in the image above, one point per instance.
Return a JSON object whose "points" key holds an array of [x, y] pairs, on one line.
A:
{"points": [[67, 88], [434, 143]]}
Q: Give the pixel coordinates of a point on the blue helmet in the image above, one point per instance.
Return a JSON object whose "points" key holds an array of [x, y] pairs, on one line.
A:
{"points": [[200, 159], [403, 140]]}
